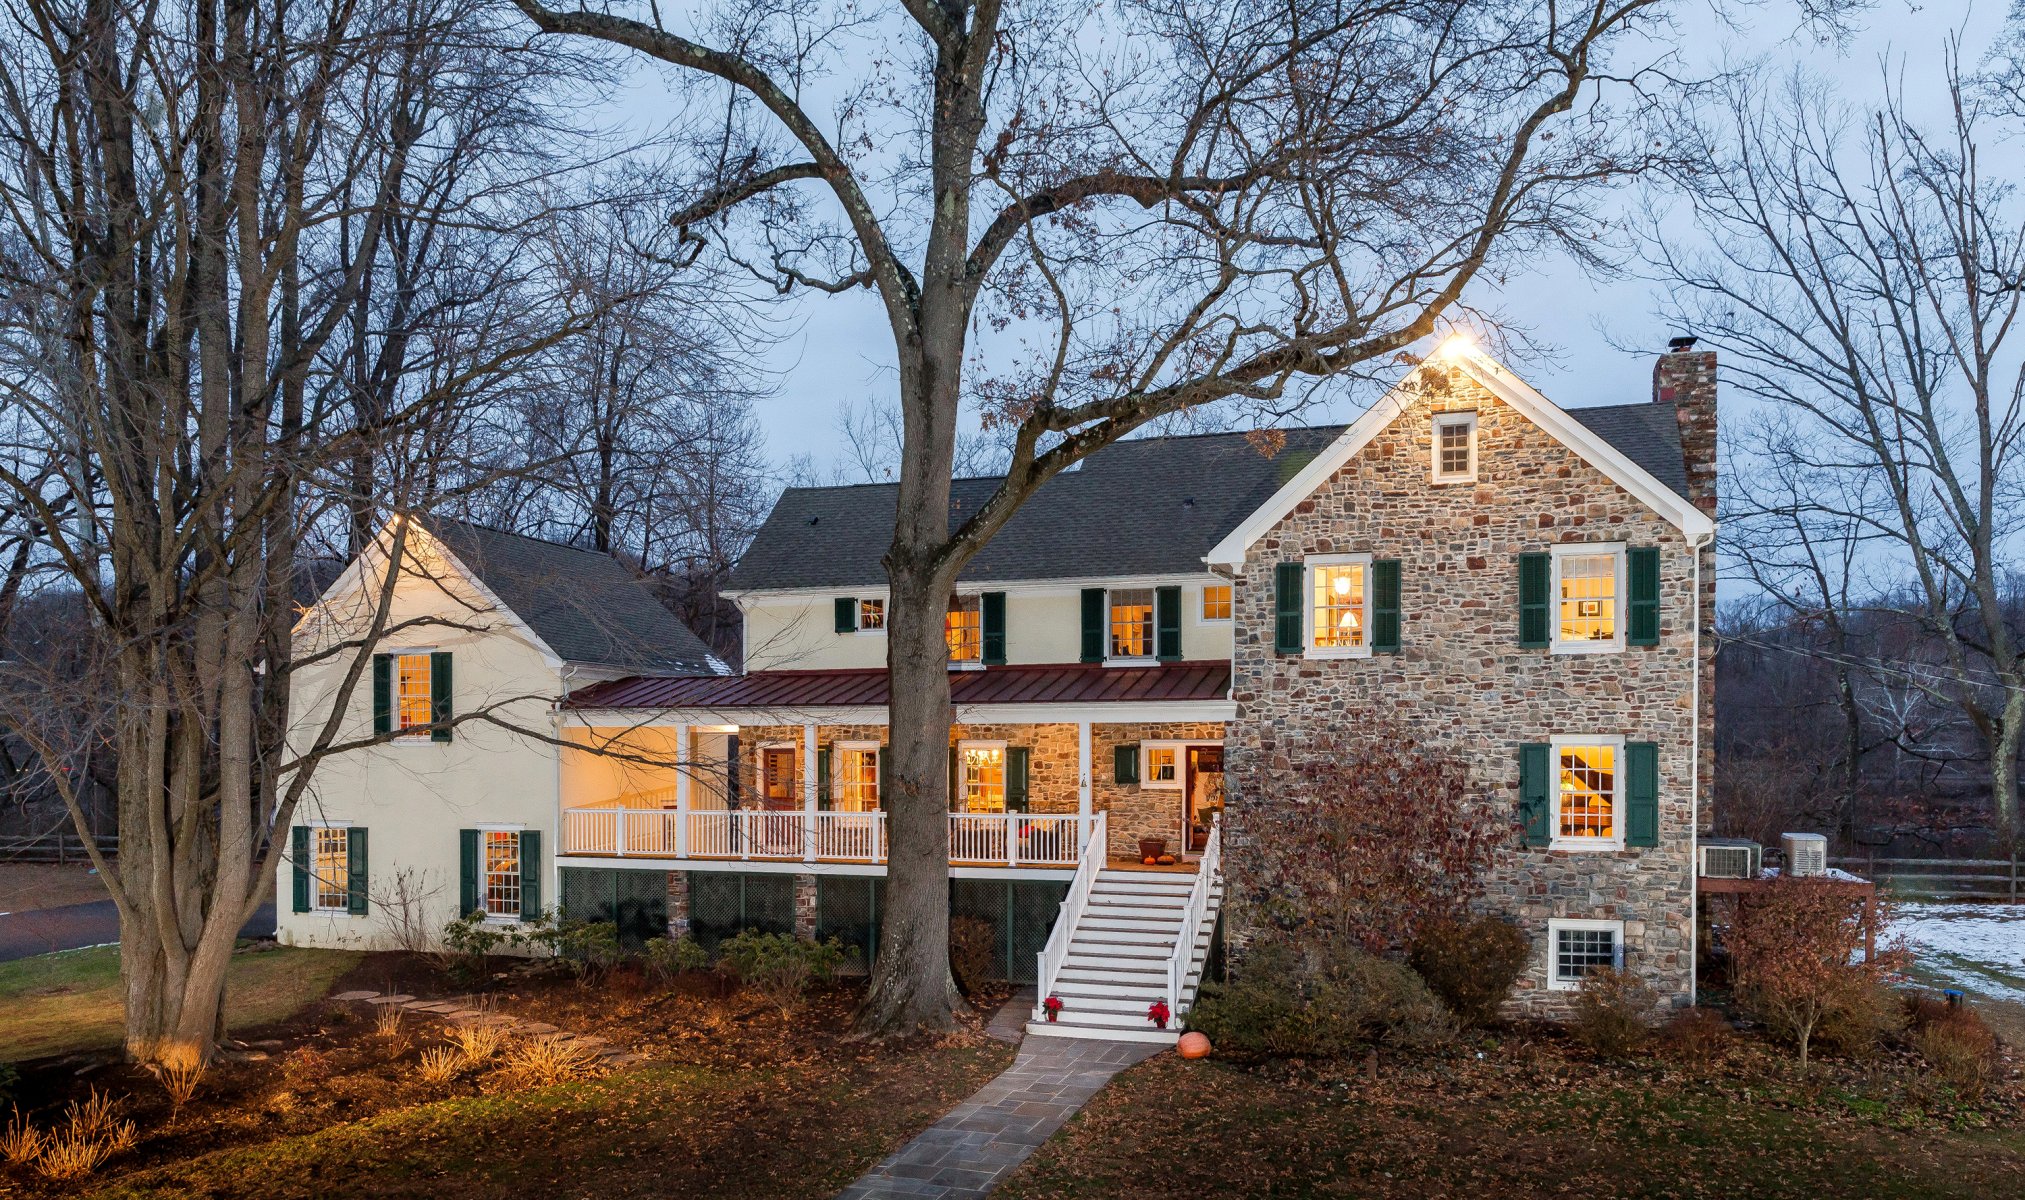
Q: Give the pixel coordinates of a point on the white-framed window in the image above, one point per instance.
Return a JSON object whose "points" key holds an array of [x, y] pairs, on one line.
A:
{"points": [[855, 776], [1131, 623], [330, 868], [1455, 447], [1588, 792], [1576, 948], [1588, 597], [414, 692], [779, 775], [963, 627], [871, 615], [1339, 605], [1216, 602], [1160, 765], [980, 776], [499, 873]]}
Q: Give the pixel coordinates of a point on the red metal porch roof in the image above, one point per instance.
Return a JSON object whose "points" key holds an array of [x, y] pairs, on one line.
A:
{"points": [[1069, 683]]}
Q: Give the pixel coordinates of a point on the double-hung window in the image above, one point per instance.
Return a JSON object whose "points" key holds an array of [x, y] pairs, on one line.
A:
{"points": [[1131, 623], [1339, 605], [871, 615], [411, 693], [330, 867], [499, 873], [1588, 592], [980, 776], [1575, 949], [963, 626], [1216, 602], [857, 776], [1455, 447], [1588, 792]]}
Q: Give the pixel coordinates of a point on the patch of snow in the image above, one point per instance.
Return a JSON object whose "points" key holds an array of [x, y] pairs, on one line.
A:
{"points": [[1978, 946]]}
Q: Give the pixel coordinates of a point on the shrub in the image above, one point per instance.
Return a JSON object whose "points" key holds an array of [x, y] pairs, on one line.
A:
{"points": [[1695, 1034], [387, 1021], [303, 1066], [1798, 947], [973, 951], [779, 966], [1278, 1007], [474, 941], [1955, 1043], [72, 1154], [1612, 1009], [477, 1041], [549, 1061], [1471, 964], [179, 1075], [589, 949], [1868, 1015], [668, 957], [438, 1064], [21, 1141], [94, 1116]]}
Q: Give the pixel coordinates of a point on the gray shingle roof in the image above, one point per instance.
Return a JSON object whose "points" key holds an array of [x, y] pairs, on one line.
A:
{"points": [[1145, 506], [587, 606]]}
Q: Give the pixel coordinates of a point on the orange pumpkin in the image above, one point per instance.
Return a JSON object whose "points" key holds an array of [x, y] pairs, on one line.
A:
{"points": [[1193, 1045], [1149, 860], [1165, 860]]}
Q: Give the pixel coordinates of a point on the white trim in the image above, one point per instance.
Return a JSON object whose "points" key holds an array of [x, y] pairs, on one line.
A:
{"points": [[1308, 565], [1065, 586], [730, 720], [1555, 983], [1551, 418], [1619, 601], [1202, 600], [498, 827], [1467, 418], [963, 784], [1586, 844]]}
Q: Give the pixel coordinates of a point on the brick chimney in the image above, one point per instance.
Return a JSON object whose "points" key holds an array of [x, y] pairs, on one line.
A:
{"points": [[1687, 377]]}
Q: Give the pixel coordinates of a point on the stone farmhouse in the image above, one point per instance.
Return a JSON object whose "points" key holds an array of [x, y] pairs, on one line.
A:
{"points": [[1133, 662]]}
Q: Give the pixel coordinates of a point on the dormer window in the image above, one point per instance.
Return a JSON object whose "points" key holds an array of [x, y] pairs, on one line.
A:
{"points": [[963, 626], [1455, 447]]}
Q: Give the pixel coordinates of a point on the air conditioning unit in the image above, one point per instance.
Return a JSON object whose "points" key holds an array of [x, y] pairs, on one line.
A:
{"points": [[1806, 853], [1731, 858]]}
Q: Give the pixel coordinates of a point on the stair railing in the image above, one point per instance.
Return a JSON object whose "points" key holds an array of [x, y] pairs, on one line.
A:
{"points": [[1064, 932], [1193, 914]]}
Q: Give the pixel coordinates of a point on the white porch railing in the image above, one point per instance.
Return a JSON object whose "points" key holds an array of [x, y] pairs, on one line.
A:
{"points": [[1095, 852], [1193, 914], [630, 826]]}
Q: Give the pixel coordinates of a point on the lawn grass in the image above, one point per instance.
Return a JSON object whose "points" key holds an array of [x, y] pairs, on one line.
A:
{"points": [[1487, 1132], [70, 1001]]}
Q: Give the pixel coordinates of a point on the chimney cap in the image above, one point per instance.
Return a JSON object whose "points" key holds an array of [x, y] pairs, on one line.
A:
{"points": [[1683, 342]]}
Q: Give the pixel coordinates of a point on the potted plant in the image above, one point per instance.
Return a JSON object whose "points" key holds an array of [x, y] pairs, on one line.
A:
{"points": [[1158, 1013], [1150, 849], [1052, 1006]]}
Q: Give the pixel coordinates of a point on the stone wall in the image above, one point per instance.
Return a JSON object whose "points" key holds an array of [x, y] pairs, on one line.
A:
{"points": [[1461, 680]]}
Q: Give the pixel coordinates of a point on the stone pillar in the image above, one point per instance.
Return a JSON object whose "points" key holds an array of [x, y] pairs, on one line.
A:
{"points": [[805, 906], [1686, 377], [678, 904]]}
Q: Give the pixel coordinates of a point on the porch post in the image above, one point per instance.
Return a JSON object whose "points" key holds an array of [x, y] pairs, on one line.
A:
{"points": [[809, 792], [1083, 815], [685, 762]]}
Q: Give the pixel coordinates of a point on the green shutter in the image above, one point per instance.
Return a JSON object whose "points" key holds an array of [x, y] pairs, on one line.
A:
{"points": [[847, 614], [991, 617], [1642, 626], [824, 797], [1641, 794], [954, 798], [467, 872], [298, 853], [1288, 581], [530, 874], [885, 776], [439, 696], [1016, 778], [1167, 623], [1385, 606], [383, 694], [1125, 763], [1093, 625], [355, 872], [1534, 572], [1536, 783]]}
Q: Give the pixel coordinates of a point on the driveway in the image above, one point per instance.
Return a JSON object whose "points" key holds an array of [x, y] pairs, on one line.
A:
{"points": [[43, 930]]}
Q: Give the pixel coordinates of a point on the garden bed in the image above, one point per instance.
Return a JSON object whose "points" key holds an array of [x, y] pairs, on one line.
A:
{"points": [[734, 1098]]}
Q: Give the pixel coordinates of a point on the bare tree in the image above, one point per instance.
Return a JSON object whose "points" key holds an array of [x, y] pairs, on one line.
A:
{"points": [[1863, 276], [1179, 204]]}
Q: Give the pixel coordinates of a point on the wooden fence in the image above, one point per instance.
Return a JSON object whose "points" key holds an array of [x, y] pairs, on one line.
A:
{"points": [[55, 847], [1943, 878]]}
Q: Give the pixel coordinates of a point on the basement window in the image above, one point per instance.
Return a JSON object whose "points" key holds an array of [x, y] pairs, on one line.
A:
{"points": [[1576, 949]]}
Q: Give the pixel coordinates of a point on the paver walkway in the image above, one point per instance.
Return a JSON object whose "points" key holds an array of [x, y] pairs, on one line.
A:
{"points": [[971, 1150]]}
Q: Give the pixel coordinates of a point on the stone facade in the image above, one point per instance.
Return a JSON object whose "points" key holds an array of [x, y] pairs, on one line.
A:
{"points": [[1462, 681]]}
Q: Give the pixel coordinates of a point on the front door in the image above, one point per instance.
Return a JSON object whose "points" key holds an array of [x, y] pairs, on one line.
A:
{"points": [[777, 778], [1201, 792]]}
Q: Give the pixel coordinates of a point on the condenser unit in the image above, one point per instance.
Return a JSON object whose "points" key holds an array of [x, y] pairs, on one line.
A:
{"points": [[1806, 853], [1731, 858]]}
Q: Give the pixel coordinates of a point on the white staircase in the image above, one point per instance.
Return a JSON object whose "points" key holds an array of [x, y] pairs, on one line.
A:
{"points": [[1135, 938]]}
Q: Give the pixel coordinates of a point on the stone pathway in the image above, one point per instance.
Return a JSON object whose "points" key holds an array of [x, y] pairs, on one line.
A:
{"points": [[457, 1012], [971, 1150]]}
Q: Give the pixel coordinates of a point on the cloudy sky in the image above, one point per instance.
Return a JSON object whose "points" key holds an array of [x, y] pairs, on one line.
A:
{"points": [[1598, 335]]}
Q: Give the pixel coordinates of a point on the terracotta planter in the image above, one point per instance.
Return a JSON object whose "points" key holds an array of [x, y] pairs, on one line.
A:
{"points": [[1150, 849]]}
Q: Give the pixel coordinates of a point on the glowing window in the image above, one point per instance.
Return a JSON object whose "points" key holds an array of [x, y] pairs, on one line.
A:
{"points": [[982, 768], [1337, 614], [1586, 591], [415, 675], [330, 868], [857, 772], [964, 629], [1132, 623], [871, 614], [1216, 602], [500, 878], [1587, 784]]}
